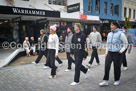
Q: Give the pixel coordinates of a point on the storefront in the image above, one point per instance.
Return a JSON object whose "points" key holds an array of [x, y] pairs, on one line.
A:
{"points": [[16, 23]]}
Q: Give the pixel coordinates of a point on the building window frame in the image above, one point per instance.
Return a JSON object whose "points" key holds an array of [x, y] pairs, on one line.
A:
{"points": [[97, 7], [117, 10], [130, 13], [90, 6], [125, 12], [105, 8], [111, 9], [58, 2], [134, 14]]}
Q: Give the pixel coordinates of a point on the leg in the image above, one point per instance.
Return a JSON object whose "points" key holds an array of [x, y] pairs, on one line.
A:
{"points": [[96, 56], [92, 56], [69, 60], [59, 61], [52, 61], [107, 66], [48, 60], [117, 66], [78, 66], [39, 57], [123, 58]]}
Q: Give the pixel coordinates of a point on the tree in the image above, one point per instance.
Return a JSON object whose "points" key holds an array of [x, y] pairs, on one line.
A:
{"points": [[127, 23]]}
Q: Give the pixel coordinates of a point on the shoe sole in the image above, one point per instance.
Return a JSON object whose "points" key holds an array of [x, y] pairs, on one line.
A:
{"points": [[104, 85]]}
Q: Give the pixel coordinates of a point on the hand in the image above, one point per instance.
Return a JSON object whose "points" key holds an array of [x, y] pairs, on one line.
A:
{"points": [[129, 52], [105, 55], [56, 56], [84, 58], [119, 52], [71, 55]]}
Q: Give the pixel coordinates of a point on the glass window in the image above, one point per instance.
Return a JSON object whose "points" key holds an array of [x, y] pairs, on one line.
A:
{"points": [[105, 8], [97, 6], [90, 6], [58, 2], [112, 9], [117, 10], [134, 14], [125, 12], [129, 13]]}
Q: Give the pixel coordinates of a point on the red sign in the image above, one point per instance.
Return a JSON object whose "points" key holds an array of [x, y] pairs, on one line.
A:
{"points": [[83, 17]]}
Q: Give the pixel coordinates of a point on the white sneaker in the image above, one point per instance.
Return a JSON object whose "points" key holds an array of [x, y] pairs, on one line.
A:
{"points": [[50, 77], [34, 63], [104, 83], [46, 67], [74, 83], [86, 75], [125, 68], [89, 65], [60, 65], [67, 70], [97, 64], [116, 83]]}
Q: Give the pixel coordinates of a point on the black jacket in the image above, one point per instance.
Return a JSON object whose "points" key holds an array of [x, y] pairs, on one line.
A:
{"points": [[78, 45]]}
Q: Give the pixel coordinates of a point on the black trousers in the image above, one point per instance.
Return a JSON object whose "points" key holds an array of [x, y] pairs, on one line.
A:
{"points": [[70, 60], [51, 61], [123, 58], [78, 67], [94, 55], [58, 60], [114, 57], [41, 53]]}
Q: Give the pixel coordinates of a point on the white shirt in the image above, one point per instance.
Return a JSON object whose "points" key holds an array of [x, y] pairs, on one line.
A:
{"points": [[53, 42]]}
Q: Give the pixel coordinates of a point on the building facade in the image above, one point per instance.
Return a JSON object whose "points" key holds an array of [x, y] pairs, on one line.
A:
{"points": [[129, 11], [23, 18], [107, 10]]}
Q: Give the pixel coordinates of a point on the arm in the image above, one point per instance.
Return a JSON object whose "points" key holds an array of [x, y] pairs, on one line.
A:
{"points": [[125, 42], [72, 42], [57, 45], [130, 43]]}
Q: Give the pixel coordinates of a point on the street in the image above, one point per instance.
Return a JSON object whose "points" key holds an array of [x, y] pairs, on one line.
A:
{"points": [[35, 78]]}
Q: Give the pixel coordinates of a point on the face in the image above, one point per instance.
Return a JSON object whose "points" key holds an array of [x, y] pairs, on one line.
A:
{"points": [[76, 28], [113, 27], [39, 39], [124, 29], [94, 29], [41, 33], [26, 39], [68, 30], [52, 31], [32, 38]]}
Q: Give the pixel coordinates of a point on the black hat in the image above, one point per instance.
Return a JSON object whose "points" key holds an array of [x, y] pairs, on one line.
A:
{"points": [[116, 24], [124, 27]]}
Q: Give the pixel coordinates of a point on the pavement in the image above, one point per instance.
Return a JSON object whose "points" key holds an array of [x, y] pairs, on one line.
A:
{"points": [[32, 77]]}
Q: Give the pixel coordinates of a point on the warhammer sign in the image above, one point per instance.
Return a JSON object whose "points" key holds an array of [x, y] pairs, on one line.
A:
{"points": [[28, 11]]}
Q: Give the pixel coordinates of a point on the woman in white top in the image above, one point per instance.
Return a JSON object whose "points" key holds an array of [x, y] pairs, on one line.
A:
{"points": [[26, 46], [53, 47]]}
